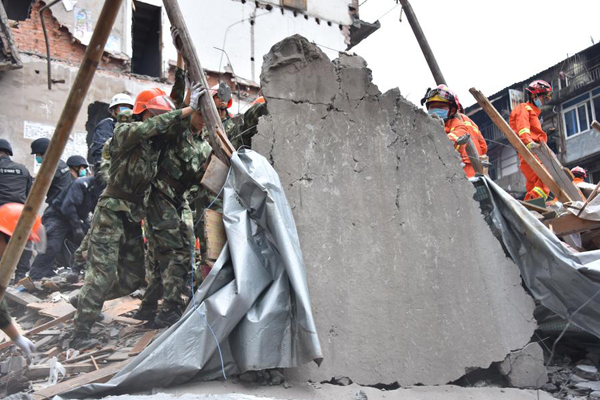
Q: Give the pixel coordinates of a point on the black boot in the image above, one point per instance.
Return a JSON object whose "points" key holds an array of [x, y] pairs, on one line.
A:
{"points": [[145, 313], [166, 318], [82, 340]]}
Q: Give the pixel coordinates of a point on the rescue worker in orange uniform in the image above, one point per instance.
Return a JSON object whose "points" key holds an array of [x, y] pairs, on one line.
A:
{"points": [[443, 103], [524, 120]]}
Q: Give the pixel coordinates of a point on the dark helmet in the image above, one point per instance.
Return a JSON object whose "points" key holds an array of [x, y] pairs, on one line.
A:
{"points": [[4, 145], [77, 161], [39, 146]]}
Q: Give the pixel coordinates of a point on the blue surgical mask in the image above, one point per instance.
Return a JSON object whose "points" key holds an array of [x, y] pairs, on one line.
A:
{"points": [[440, 112], [123, 108], [538, 103], [39, 159], [82, 173]]}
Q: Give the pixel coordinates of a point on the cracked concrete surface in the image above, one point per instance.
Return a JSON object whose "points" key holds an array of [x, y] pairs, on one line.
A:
{"points": [[407, 282]]}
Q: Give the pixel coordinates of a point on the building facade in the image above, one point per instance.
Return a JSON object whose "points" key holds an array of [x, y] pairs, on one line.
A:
{"points": [[566, 119]]}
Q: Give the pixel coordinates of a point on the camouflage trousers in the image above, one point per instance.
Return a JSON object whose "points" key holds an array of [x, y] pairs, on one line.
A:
{"points": [[115, 265], [170, 239], [80, 256]]}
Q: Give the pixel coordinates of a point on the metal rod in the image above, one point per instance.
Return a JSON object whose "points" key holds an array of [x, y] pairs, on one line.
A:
{"points": [[72, 107], [429, 57], [47, 41], [221, 146]]}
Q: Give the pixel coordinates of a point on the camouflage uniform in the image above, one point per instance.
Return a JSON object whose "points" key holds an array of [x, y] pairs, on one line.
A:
{"points": [[170, 232], [115, 254]]}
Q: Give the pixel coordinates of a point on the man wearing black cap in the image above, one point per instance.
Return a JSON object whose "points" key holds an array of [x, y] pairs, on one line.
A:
{"points": [[62, 178], [15, 183]]}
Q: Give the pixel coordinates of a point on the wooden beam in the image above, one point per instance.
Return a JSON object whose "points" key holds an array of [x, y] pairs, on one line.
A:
{"points": [[519, 146], [23, 298], [533, 207], [219, 142], [42, 371], [103, 375], [142, 343], [557, 171], [569, 223], [41, 328]]}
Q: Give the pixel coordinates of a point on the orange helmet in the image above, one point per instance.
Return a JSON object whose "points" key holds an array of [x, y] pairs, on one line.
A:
{"points": [[144, 97], [160, 105], [260, 100], [9, 216]]}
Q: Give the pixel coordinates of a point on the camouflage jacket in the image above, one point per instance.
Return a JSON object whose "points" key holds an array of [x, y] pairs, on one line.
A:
{"points": [[134, 158]]}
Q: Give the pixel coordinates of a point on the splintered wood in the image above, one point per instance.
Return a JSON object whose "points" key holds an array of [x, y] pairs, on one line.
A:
{"points": [[214, 232]]}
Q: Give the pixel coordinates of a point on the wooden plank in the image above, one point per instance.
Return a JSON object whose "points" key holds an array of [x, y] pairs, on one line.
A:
{"points": [[95, 363], [100, 376], [85, 356], [128, 321], [142, 343], [42, 371], [41, 328], [214, 232], [569, 223], [23, 298], [533, 207], [58, 310], [114, 308], [215, 175], [557, 171], [519, 146]]}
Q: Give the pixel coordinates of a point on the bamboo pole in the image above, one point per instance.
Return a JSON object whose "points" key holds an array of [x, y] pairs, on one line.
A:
{"points": [[219, 142], [34, 201]]}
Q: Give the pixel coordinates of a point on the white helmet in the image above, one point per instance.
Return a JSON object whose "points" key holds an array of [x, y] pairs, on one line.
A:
{"points": [[121, 98]]}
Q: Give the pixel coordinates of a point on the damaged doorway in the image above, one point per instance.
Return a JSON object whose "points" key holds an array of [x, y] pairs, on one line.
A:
{"points": [[146, 30], [18, 10], [97, 111]]}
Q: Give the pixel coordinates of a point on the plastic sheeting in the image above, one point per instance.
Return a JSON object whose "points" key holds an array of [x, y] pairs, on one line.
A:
{"points": [[255, 298], [566, 283]]}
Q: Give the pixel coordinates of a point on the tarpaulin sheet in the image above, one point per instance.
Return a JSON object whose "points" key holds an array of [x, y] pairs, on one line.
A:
{"points": [[566, 283], [255, 298]]}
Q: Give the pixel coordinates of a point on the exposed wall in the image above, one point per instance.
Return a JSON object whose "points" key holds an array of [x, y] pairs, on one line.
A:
{"points": [[407, 282]]}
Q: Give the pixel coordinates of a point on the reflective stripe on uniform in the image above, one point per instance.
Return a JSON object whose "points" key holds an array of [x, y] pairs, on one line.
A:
{"points": [[540, 192], [524, 131], [467, 123], [452, 136], [528, 108]]}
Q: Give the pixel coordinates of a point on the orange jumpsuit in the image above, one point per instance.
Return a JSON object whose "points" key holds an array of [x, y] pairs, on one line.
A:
{"points": [[462, 125], [525, 122]]}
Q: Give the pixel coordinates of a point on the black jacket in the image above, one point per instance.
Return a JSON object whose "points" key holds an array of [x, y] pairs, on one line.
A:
{"points": [[103, 132], [61, 181], [78, 201], [15, 181]]}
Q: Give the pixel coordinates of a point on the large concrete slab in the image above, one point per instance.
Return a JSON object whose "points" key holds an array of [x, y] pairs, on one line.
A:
{"points": [[407, 282]]}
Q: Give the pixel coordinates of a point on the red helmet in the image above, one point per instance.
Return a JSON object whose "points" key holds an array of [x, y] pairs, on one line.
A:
{"points": [[442, 94], [144, 97], [9, 216], [579, 172], [540, 87], [160, 105], [260, 100]]}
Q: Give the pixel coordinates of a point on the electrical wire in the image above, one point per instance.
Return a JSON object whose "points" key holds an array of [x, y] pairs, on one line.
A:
{"points": [[389, 11]]}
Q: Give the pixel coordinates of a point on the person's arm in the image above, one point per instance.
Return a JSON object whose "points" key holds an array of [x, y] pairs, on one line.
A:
{"points": [[178, 90], [28, 183], [73, 198], [522, 126]]}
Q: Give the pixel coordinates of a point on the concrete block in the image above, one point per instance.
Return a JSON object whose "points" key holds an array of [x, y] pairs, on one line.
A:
{"points": [[408, 284], [525, 368]]}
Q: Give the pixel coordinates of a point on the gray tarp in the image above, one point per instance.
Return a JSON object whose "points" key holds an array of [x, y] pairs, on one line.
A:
{"points": [[564, 282], [255, 298]]}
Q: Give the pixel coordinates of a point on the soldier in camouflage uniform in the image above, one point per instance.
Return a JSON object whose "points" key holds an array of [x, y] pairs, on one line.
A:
{"points": [[239, 130], [115, 255], [169, 231]]}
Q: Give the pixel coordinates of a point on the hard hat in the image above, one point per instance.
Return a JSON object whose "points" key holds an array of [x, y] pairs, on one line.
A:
{"points": [[9, 216], [441, 94], [579, 172], [121, 98], [39, 146], [5, 145], [540, 87], [77, 161], [144, 97], [223, 91], [260, 100], [160, 105]]}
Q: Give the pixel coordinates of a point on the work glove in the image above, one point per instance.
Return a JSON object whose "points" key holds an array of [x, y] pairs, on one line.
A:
{"points": [[533, 145], [462, 140], [25, 345], [197, 92], [176, 39], [78, 235]]}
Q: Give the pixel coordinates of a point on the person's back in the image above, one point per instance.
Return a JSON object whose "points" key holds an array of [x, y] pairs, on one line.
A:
{"points": [[15, 180]]}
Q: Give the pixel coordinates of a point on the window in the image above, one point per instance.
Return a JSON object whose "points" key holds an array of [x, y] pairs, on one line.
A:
{"points": [[509, 162], [578, 113], [18, 10], [146, 32]]}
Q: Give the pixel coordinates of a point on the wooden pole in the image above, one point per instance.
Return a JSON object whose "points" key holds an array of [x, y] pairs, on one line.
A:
{"points": [[429, 57], [219, 142], [518, 145], [82, 82], [592, 197]]}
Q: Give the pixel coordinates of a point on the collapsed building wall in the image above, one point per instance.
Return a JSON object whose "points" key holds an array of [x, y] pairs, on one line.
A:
{"points": [[407, 282]]}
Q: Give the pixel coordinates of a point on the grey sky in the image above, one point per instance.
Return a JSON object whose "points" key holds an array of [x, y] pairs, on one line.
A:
{"points": [[481, 43]]}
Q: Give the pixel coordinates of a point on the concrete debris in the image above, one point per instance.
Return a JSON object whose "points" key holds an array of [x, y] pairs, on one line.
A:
{"points": [[525, 368], [407, 282], [588, 372]]}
